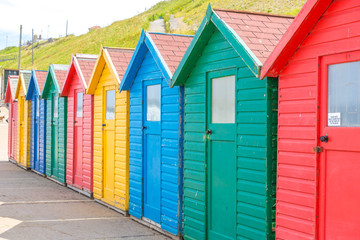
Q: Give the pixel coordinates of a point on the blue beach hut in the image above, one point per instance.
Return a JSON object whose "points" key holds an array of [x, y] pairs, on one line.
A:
{"points": [[155, 154], [37, 121]]}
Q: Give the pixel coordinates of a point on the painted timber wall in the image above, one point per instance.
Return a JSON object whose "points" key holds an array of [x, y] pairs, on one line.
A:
{"points": [[10, 99], [38, 126], [55, 125], [79, 162], [162, 189], [23, 120], [111, 172], [254, 166], [323, 28]]}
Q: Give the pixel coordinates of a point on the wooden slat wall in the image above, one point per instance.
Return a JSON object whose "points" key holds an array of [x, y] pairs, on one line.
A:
{"points": [[88, 118], [32, 136], [48, 136], [42, 136], [62, 139], [336, 31]]}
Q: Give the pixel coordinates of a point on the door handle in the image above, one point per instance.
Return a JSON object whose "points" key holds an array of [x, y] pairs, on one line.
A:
{"points": [[144, 127], [209, 132], [104, 125], [74, 121], [324, 139]]}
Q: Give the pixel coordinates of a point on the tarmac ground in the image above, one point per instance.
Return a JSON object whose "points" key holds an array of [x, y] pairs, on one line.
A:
{"points": [[33, 207]]}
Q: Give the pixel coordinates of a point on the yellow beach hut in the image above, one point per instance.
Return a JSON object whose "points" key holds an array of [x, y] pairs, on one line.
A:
{"points": [[23, 120], [111, 129]]}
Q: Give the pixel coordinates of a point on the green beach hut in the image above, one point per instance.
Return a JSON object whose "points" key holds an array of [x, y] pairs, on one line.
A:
{"points": [[230, 126], [56, 118]]}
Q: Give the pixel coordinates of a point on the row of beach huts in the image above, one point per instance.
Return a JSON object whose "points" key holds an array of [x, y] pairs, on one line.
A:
{"points": [[247, 130]]}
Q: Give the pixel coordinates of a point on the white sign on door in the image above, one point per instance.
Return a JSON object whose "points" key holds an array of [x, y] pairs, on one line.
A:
{"points": [[334, 119]]}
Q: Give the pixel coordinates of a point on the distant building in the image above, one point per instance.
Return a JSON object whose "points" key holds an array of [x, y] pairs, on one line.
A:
{"points": [[4, 78], [94, 27]]}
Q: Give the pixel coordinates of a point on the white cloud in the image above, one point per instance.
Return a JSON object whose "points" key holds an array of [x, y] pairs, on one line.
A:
{"points": [[47, 16]]}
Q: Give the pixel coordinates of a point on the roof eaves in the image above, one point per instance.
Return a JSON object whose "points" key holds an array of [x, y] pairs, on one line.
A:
{"points": [[294, 36], [158, 58], [180, 74], [92, 84], [134, 64], [112, 68]]}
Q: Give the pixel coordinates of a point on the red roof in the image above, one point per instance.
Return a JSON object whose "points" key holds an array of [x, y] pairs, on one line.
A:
{"points": [[41, 77], [261, 32], [295, 35], [120, 58], [172, 47], [86, 67]]}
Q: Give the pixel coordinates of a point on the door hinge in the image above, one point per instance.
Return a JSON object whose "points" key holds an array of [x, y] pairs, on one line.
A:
{"points": [[318, 149]]}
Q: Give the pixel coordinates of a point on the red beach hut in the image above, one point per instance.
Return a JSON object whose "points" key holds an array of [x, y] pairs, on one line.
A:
{"points": [[79, 162], [12, 121], [318, 66]]}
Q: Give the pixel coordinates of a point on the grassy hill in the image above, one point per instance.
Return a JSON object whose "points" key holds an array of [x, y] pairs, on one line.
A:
{"points": [[125, 33]]}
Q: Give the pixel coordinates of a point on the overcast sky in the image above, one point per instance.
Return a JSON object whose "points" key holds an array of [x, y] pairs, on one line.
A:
{"points": [[48, 17]]}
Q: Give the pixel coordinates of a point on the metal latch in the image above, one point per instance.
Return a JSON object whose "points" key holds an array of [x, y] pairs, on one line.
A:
{"points": [[318, 149]]}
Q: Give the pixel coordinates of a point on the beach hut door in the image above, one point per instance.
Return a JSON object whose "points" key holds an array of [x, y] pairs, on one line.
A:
{"points": [[221, 156], [36, 132], [152, 149], [78, 135], [108, 127], [54, 134], [339, 147]]}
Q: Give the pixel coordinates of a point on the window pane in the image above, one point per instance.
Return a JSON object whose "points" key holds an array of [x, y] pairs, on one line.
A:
{"points": [[79, 104], [56, 106], [344, 95], [110, 104], [153, 102], [37, 107], [223, 100]]}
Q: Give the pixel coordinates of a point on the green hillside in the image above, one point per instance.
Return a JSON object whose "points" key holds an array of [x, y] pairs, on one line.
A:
{"points": [[126, 33]]}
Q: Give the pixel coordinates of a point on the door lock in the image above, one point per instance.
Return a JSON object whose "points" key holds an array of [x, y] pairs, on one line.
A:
{"points": [[209, 132], [324, 139], [144, 127], [104, 124]]}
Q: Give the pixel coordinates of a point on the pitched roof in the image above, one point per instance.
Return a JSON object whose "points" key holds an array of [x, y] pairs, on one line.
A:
{"points": [[60, 73], [120, 58], [40, 77], [166, 49], [261, 32], [252, 36], [117, 60], [172, 47], [86, 64], [25, 76], [295, 35]]}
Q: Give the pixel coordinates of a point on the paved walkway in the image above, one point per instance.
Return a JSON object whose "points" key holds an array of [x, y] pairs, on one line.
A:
{"points": [[33, 207]]}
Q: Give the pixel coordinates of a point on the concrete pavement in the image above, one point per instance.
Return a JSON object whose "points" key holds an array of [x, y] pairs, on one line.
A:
{"points": [[33, 207]]}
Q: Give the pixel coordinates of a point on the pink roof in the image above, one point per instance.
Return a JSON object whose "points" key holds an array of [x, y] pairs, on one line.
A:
{"points": [[41, 77], [60, 76], [120, 58], [86, 66], [171, 47], [261, 32]]}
